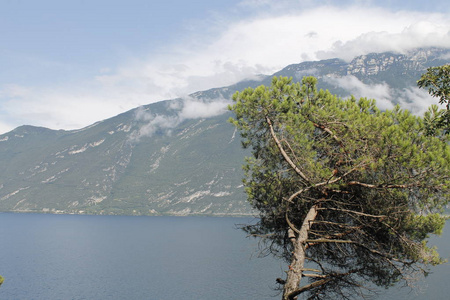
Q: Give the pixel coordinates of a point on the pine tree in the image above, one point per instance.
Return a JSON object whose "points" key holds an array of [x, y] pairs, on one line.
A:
{"points": [[347, 194]]}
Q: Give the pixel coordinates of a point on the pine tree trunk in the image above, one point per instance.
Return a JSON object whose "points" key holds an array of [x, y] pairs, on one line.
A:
{"points": [[296, 267]]}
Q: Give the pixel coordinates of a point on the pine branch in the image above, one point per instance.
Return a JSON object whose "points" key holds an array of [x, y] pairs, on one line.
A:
{"points": [[386, 186], [308, 287], [283, 152], [353, 212]]}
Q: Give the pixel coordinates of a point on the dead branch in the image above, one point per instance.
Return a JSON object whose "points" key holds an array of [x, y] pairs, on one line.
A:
{"points": [[352, 212], [308, 287]]}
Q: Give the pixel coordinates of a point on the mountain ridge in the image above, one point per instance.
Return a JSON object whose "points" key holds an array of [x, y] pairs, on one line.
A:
{"points": [[167, 158]]}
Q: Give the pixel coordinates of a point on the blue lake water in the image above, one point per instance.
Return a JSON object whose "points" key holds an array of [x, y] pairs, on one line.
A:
{"points": [[122, 257]]}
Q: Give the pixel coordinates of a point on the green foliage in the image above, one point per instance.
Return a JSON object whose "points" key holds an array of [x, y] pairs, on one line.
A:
{"points": [[379, 179], [1, 280], [437, 81]]}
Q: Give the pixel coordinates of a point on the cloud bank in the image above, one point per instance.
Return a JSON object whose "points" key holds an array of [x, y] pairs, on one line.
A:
{"points": [[261, 42]]}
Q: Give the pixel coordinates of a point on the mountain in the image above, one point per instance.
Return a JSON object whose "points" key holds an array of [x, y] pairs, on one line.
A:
{"points": [[175, 157], [111, 167]]}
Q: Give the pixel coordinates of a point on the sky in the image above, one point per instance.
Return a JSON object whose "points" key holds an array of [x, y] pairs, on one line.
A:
{"points": [[68, 64]]}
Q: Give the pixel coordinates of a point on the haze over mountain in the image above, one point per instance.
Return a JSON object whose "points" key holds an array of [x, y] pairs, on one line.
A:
{"points": [[180, 156]]}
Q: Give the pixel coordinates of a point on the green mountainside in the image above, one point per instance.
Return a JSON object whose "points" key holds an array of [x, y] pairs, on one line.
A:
{"points": [[175, 157]]}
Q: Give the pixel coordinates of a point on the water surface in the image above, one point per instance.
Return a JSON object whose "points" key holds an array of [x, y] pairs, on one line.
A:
{"points": [[122, 257]]}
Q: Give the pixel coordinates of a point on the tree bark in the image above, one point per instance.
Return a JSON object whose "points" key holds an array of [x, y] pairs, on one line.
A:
{"points": [[294, 275]]}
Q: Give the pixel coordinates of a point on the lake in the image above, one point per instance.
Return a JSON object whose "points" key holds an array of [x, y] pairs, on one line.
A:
{"points": [[123, 257]]}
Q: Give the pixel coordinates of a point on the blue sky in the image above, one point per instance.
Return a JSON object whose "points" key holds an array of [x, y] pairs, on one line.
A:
{"points": [[67, 64]]}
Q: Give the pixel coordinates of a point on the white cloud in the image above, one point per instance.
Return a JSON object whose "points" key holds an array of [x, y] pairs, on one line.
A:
{"points": [[155, 123], [266, 44], [424, 33], [417, 100], [381, 92], [262, 42], [61, 108], [194, 108], [4, 127], [184, 109], [414, 99]]}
